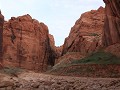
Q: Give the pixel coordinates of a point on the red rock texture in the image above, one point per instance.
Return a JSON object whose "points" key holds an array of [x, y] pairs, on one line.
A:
{"points": [[52, 45], [112, 22], [56, 51], [114, 49], [89, 70], [85, 35], [68, 57], [1, 35], [26, 43]]}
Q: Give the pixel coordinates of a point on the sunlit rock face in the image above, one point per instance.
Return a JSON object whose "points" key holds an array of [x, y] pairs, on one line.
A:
{"points": [[26, 43], [112, 22], [1, 35], [85, 36]]}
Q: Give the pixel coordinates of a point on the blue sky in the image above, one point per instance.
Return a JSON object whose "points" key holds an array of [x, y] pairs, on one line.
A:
{"points": [[58, 15]]}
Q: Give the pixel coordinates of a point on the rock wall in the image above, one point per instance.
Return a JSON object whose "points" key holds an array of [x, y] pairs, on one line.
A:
{"points": [[56, 51], [113, 49], [26, 43], [112, 22], [85, 35], [52, 45], [1, 34], [111, 35]]}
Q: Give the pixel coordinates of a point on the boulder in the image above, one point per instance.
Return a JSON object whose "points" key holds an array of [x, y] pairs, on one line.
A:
{"points": [[4, 84]]}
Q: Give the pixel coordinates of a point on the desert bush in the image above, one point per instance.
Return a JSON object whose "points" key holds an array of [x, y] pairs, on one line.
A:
{"points": [[13, 71], [98, 58]]}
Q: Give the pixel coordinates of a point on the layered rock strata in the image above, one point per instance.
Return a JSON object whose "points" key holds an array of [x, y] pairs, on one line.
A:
{"points": [[85, 36], [26, 43]]}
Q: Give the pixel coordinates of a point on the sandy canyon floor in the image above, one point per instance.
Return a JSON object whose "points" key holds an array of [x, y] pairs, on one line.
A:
{"points": [[38, 81]]}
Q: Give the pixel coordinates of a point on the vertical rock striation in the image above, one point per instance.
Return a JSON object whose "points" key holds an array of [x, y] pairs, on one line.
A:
{"points": [[56, 51], [1, 35], [85, 36], [26, 43], [112, 22], [111, 35]]}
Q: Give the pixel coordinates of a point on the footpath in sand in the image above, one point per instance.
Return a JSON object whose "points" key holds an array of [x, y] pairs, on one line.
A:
{"points": [[38, 81]]}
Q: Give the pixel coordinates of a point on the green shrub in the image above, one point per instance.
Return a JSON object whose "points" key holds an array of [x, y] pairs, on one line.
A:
{"points": [[11, 70], [98, 58], [94, 34]]}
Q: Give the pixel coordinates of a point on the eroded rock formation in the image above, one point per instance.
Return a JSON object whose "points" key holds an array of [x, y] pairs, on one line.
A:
{"points": [[85, 35], [1, 35], [26, 43], [112, 22], [113, 49], [57, 51]]}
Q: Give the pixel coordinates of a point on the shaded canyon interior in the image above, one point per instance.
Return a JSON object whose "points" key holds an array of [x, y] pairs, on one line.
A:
{"points": [[26, 42]]}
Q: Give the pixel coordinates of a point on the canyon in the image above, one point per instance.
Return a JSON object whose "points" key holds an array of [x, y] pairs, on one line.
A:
{"points": [[92, 49], [26, 42]]}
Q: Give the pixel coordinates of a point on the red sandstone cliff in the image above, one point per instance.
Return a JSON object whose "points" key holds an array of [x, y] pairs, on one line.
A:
{"points": [[112, 22], [1, 34], [26, 43], [57, 51], [111, 35], [85, 35]]}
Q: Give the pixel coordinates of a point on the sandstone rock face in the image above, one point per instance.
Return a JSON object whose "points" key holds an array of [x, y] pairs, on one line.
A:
{"points": [[56, 50], [1, 34], [114, 49], [26, 43], [85, 35], [112, 22], [68, 57], [52, 45]]}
